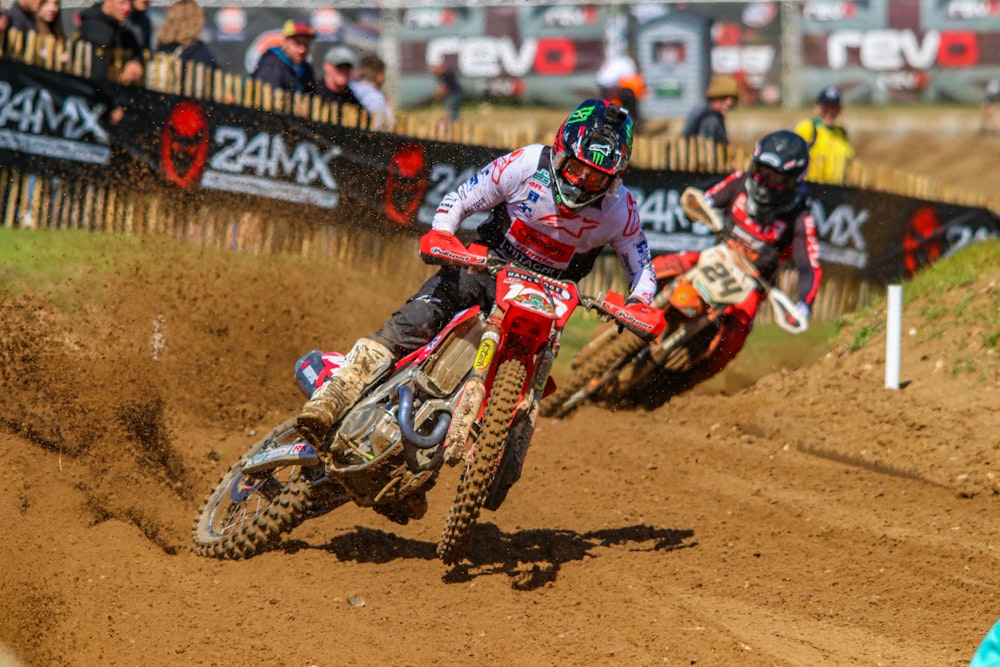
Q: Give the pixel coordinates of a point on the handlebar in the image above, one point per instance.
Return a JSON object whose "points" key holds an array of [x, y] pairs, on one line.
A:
{"points": [[445, 249]]}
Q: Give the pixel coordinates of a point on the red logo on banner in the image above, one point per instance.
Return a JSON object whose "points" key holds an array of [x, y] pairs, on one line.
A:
{"points": [[959, 48], [184, 144], [405, 184], [922, 241], [556, 56]]}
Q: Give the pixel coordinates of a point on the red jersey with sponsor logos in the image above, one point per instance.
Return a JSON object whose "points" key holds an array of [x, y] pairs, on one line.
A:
{"points": [[526, 226], [789, 236]]}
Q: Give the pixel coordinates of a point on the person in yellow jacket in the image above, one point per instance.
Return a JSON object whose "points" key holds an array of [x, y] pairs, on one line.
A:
{"points": [[829, 148]]}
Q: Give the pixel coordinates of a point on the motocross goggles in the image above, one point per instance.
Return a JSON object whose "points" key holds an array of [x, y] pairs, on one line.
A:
{"points": [[584, 176], [771, 178]]}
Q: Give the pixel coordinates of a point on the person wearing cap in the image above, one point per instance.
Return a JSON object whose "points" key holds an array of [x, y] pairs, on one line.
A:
{"points": [[829, 148], [287, 67], [709, 119], [339, 64]]}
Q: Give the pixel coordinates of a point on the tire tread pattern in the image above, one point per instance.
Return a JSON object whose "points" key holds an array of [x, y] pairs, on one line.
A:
{"points": [[564, 400], [289, 509], [474, 484]]}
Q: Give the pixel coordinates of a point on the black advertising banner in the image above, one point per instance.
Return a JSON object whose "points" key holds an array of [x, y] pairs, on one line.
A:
{"points": [[52, 117], [226, 149], [54, 123], [196, 144]]}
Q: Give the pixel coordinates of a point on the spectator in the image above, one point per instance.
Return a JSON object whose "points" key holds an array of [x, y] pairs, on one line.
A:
{"points": [[338, 68], [117, 57], [48, 20], [619, 81], [140, 26], [829, 148], [449, 90], [22, 15], [180, 34], [287, 67], [990, 123], [367, 87], [709, 119], [612, 71], [4, 22]]}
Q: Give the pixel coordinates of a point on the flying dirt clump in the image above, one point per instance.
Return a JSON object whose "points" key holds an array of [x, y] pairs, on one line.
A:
{"points": [[61, 393]]}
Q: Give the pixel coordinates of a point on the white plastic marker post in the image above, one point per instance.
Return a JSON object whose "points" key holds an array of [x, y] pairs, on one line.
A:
{"points": [[893, 333]]}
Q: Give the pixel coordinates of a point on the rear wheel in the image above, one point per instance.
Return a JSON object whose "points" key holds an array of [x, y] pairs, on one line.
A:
{"points": [[477, 477], [246, 514]]}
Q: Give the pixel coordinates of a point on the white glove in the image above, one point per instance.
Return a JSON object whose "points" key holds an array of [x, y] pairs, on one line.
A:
{"points": [[804, 310]]}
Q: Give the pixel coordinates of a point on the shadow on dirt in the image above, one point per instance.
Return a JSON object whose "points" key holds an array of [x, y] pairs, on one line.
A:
{"points": [[530, 558]]}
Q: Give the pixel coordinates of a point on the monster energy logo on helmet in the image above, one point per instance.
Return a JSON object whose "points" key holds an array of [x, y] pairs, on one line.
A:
{"points": [[598, 152]]}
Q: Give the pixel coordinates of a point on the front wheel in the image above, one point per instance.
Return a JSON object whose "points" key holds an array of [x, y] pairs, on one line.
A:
{"points": [[477, 477], [246, 514], [592, 375]]}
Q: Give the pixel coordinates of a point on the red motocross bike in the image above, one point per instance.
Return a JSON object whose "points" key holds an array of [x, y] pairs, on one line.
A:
{"points": [[620, 369], [470, 396]]}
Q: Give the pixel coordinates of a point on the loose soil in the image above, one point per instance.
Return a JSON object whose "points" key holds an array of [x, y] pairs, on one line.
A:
{"points": [[811, 518]]}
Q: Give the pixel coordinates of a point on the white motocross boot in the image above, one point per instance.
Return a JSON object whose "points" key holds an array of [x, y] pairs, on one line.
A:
{"points": [[367, 361]]}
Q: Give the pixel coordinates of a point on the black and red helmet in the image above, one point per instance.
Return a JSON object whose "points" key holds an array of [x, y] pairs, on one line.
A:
{"points": [[591, 151], [776, 176]]}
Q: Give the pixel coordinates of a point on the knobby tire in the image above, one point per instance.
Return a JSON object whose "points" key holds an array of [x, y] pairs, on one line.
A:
{"points": [[478, 473], [262, 522], [576, 390]]}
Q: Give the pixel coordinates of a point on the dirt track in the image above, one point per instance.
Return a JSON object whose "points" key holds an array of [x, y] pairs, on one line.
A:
{"points": [[814, 518]]}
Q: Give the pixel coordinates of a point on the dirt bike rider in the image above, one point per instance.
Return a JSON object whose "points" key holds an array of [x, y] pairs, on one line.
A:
{"points": [[766, 210], [552, 210]]}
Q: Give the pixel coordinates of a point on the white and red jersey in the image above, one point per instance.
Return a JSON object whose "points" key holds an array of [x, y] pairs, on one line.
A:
{"points": [[527, 227]]}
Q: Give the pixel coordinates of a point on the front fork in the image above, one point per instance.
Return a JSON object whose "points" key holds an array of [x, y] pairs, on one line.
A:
{"points": [[470, 404]]}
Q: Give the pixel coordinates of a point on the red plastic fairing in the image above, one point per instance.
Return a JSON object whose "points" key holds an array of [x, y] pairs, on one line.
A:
{"points": [[444, 248], [637, 317]]}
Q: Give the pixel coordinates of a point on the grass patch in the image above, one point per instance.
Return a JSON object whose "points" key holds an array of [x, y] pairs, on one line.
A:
{"points": [[578, 331], [863, 335], [959, 293], [39, 259]]}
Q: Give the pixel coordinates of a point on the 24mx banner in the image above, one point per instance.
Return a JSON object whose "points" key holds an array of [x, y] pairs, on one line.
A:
{"points": [[57, 123]]}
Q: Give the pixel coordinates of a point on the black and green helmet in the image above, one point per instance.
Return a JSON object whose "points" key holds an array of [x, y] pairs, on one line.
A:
{"points": [[592, 149]]}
